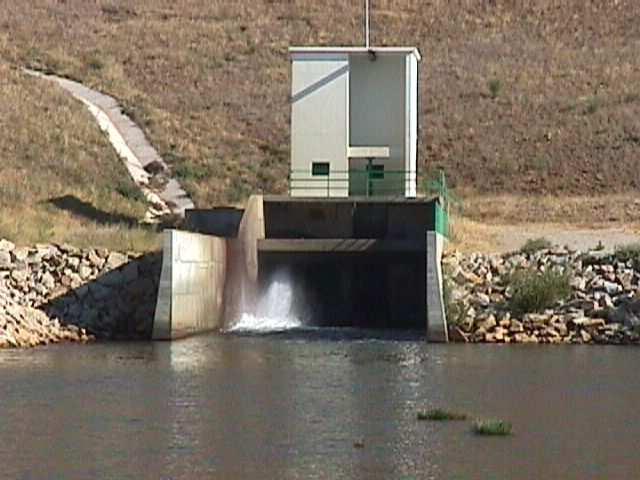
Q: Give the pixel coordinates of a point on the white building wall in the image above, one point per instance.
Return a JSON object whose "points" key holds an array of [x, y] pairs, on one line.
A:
{"points": [[319, 123], [377, 118], [412, 125], [346, 97]]}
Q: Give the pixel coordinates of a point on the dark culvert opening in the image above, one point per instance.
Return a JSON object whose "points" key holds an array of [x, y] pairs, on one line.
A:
{"points": [[369, 291]]}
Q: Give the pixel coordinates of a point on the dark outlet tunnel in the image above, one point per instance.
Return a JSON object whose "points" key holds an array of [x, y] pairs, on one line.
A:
{"points": [[347, 289]]}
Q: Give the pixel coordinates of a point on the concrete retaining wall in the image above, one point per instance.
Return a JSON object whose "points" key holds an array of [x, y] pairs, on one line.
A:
{"points": [[191, 293], [436, 318]]}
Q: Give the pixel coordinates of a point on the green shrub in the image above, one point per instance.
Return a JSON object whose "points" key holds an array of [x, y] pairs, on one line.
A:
{"points": [[541, 163], [534, 292], [591, 259], [495, 87], [95, 63], [440, 415], [492, 427], [593, 105], [186, 171], [130, 191], [238, 191], [625, 253], [631, 97], [535, 244]]}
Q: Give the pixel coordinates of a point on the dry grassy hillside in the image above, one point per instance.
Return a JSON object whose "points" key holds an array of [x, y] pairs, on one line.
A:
{"points": [[518, 97], [60, 179]]}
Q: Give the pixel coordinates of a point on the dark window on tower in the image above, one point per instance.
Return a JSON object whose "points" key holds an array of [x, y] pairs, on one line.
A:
{"points": [[320, 169], [377, 172]]}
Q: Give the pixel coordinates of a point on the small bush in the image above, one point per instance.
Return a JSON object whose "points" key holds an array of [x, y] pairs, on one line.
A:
{"points": [[95, 63], [185, 171], [541, 163], [625, 253], [492, 427], [593, 105], [534, 245], [238, 191], [495, 87], [534, 292], [440, 415], [130, 191]]}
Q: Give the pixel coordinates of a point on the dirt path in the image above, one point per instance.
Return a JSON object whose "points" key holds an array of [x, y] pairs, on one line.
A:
{"points": [[145, 165], [471, 236], [513, 237]]}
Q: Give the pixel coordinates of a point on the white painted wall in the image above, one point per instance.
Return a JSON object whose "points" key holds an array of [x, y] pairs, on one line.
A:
{"points": [[344, 98], [377, 116], [411, 164], [319, 122]]}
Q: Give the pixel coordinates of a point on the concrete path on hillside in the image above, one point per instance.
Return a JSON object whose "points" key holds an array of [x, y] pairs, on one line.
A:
{"points": [[142, 161]]}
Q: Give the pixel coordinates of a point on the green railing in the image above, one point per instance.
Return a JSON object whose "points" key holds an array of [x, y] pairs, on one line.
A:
{"points": [[442, 221], [440, 188], [366, 182]]}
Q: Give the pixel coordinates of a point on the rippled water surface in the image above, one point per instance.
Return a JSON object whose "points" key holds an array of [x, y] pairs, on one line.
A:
{"points": [[291, 406]]}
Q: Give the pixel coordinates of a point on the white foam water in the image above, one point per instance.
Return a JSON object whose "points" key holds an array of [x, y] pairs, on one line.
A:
{"points": [[274, 312]]}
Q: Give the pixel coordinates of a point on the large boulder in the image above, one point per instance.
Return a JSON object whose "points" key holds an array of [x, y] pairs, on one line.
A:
{"points": [[627, 314]]}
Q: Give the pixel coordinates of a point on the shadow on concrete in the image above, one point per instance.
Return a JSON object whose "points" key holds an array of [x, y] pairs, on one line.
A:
{"points": [[117, 304], [83, 209]]}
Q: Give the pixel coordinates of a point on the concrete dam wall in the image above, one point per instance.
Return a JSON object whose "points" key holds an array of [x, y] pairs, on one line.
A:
{"points": [[191, 291], [367, 263]]}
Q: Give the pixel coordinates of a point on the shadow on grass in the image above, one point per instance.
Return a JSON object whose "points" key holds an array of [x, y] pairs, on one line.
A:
{"points": [[83, 209]]}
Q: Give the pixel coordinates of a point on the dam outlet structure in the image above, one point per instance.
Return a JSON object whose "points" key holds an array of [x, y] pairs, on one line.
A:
{"points": [[341, 262], [351, 245]]}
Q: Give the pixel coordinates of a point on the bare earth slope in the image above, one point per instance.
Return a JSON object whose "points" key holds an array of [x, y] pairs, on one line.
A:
{"points": [[539, 97]]}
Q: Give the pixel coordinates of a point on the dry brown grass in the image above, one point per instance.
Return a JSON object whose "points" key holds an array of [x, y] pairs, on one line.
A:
{"points": [[469, 236], [208, 81], [578, 211], [33, 224], [59, 175]]}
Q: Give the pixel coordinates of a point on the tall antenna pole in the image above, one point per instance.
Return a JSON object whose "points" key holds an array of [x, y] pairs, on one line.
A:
{"points": [[366, 23]]}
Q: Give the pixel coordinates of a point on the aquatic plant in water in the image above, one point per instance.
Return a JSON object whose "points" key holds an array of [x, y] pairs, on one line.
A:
{"points": [[492, 427], [440, 415]]}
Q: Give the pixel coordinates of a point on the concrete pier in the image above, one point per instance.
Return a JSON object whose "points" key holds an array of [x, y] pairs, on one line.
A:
{"points": [[191, 292], [437, 330]]}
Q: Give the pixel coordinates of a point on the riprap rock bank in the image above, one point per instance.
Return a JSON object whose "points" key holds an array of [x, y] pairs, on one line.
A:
{"points": [[51, 293], [600, 305]]}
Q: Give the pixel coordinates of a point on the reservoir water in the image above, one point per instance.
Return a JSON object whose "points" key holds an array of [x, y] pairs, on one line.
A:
{"points": [[292, 405]]}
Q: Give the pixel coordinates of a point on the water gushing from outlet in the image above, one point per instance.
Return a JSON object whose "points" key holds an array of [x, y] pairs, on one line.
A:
{"points": [[273, 313]]}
